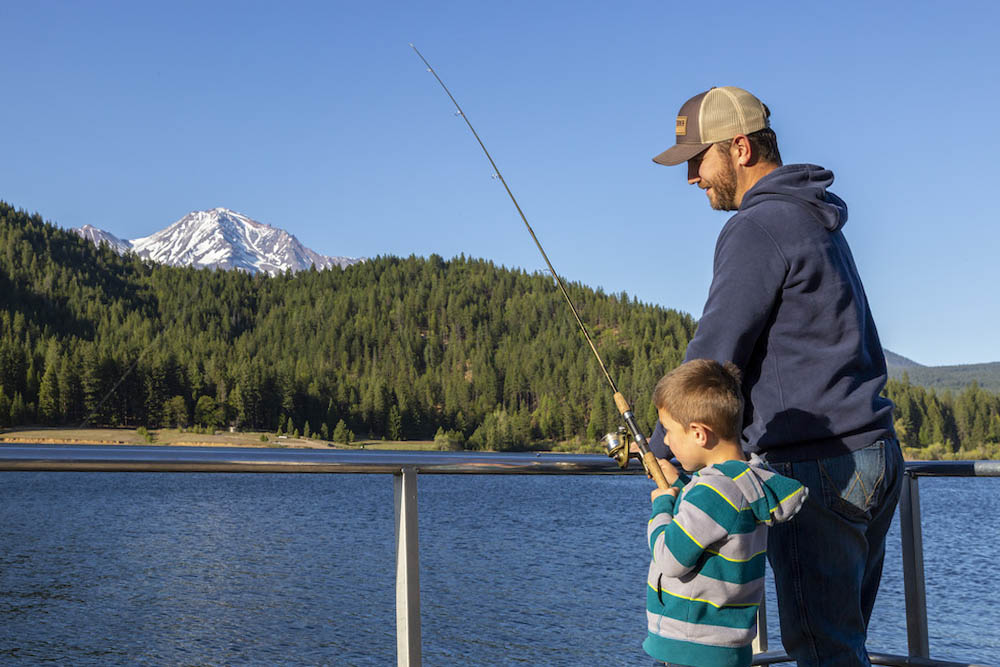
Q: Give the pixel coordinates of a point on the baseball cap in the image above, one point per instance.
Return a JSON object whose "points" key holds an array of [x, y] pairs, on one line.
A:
{"points": [[714, 115]]}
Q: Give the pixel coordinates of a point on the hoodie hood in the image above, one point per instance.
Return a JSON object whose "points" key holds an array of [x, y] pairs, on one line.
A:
{"points": [[773, 498], [805, 184]]}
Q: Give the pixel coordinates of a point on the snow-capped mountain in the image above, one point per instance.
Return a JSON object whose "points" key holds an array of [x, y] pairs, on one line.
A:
{"points": [[222, 239], [99, 236]]}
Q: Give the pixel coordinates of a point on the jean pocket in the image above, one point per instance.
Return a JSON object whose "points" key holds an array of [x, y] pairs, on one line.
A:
{"points": [[852, 482]]}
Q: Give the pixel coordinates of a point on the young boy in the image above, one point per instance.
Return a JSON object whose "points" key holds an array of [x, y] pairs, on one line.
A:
{"points": [[708, 532]]}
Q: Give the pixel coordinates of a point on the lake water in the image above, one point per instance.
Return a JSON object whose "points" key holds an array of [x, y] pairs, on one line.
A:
{"points": [[238, 569]]}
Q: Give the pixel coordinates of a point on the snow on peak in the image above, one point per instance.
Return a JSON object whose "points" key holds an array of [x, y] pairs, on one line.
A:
{"points": [[224, 239], [99, 236]]}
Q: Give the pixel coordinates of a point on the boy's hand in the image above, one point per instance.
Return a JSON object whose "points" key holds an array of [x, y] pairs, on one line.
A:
{"points": [[669, 471], [657, 492]]}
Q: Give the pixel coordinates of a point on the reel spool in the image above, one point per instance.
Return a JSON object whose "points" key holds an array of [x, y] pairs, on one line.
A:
{"points": [[616, 445]]}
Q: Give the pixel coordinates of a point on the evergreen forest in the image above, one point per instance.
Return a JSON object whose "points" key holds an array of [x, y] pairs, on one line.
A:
{"points": [[478, 355]]}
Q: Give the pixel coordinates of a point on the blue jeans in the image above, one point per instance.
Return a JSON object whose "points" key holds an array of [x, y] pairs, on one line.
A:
{"points": [[827, 560]]}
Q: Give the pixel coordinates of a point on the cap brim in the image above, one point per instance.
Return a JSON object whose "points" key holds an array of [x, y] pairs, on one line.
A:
{"points": [[679, 153]]}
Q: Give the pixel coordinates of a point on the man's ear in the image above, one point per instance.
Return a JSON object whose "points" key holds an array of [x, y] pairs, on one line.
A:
{"points": [[742, 150]]}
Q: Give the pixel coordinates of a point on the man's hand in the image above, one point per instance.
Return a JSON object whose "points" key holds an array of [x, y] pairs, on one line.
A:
{"points": [[657, 492]]}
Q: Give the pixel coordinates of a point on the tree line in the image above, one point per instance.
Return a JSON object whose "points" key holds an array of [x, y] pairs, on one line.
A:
{"points": [[400, 348], [946, 424]]}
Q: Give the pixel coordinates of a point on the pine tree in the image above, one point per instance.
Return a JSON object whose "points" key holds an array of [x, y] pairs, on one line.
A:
{"points": [[175, 412], [18, 410], [71, 401], [48, 396], [5, 404], [395, 425], [340, 433], [207, 413]]}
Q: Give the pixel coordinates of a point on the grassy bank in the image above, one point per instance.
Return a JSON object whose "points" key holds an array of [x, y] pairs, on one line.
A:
{"points": [[167, 436], [938, 452]]}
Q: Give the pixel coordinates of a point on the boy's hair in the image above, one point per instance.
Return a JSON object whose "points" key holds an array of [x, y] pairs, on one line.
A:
{"points": [[706, 392]]}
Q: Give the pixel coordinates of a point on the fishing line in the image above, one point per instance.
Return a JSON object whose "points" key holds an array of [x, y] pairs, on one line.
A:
{"points": [[648, 458]]}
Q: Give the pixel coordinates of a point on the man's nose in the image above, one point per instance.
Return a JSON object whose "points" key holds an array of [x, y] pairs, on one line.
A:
{"points": [[693, 176]]}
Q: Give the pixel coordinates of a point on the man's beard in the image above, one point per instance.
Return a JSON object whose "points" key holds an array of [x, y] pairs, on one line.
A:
{"points": [[724, 189]]}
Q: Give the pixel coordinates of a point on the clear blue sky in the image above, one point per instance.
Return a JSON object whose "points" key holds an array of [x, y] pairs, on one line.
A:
{"points": [[318, 118]]}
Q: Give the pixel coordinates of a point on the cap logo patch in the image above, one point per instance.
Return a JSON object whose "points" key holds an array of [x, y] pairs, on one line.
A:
{"points": [[682, 126]]}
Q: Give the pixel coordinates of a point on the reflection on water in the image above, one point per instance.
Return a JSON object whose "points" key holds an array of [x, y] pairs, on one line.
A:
{"points": [[213, 569]]}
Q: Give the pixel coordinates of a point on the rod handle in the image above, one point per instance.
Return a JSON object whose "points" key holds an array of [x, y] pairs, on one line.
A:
{"points": [[649, 461], [621, 403], [652, 466]]}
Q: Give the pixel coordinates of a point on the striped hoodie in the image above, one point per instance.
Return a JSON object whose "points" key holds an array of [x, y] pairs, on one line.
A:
{"points": [[709, 546]]}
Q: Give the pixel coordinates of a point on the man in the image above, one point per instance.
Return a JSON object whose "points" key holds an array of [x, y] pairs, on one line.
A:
{"points": [[787, 306]]}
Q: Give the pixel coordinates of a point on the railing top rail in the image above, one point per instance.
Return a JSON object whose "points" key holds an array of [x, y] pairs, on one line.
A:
{"points": [[139, 458], [953, 468], [136, 458]]}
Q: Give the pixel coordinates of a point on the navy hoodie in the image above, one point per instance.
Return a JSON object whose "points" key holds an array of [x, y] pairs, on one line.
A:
{"points": [[787, 306]]}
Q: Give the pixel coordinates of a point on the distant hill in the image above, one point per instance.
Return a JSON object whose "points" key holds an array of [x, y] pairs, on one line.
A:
{"points": [[894, 360], [954, 378]]}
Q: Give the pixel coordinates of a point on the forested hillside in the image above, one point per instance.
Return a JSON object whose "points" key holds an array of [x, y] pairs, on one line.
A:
{"points": [[939, 425], [395, 348]]}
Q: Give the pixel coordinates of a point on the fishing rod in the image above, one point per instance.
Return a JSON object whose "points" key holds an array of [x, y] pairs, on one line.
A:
{"points": [[616, 446]]}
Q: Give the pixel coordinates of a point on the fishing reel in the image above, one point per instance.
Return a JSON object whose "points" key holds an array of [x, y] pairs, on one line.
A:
{"points": [[618, 446]]}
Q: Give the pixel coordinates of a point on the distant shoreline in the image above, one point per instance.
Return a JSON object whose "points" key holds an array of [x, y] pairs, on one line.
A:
{"points": [[169, 437], [54, 435]]}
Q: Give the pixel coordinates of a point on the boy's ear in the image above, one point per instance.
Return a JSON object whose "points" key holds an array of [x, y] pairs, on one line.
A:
{"points": [[703, 434]]}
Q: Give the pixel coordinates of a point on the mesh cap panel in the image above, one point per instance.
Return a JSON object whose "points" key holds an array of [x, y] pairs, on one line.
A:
{"points": [[728, 111]]}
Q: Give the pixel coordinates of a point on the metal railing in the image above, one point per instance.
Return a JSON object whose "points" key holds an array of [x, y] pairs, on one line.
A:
{"points": [[405, 466]]}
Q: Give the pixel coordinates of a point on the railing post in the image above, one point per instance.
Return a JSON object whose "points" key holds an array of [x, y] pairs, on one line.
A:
{"points": [[914, 586], [407, 569], [760, 641]]}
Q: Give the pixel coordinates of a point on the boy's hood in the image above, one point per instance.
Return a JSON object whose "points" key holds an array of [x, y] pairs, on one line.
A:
{"points": [[773, 498]]}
